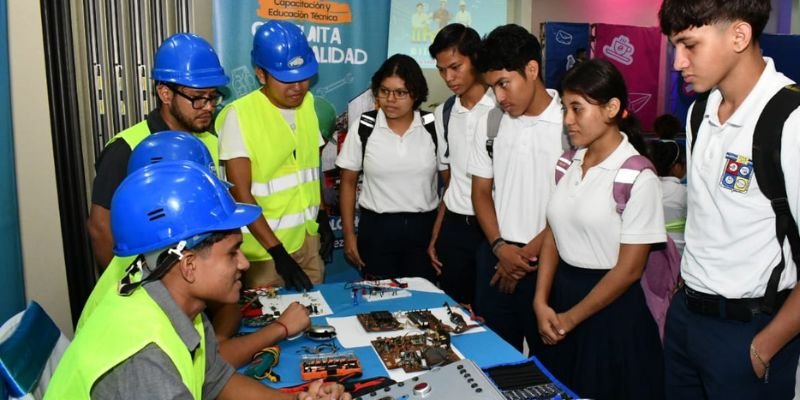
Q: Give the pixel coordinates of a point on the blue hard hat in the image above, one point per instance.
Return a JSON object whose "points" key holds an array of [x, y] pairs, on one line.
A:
{"points": [[281, 49], [162, 204], [170, 146], [188, 60]]}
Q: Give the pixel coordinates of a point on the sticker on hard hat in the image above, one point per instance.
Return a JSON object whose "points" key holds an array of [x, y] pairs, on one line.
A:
{"points": [[296, 62]]}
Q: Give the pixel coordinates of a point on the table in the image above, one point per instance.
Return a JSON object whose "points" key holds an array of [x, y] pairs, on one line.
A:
{"points": [[484, 348]]}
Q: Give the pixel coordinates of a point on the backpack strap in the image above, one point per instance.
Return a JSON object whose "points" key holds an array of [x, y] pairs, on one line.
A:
{"points": [[428, 121], [626, 176], [698, 113], [563, 163], [366, 125], [492, 127], [446, 110], [769, 174]]}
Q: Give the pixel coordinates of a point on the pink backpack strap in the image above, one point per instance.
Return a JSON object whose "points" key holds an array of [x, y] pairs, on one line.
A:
{"points": [[563, 163], [626, 176]]}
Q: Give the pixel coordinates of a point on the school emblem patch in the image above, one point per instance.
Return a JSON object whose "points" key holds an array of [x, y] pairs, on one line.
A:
{"points": [[737, 174]]}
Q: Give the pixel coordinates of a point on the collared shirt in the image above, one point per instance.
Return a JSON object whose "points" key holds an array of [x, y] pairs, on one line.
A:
{"points": [[460, 140], [150, 374], [583, 214], [731, 247], [112, 164], [400, 172], [674, 200], [525, 153]]}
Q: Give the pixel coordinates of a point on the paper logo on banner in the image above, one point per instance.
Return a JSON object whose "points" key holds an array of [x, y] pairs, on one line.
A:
{"points": [[620, 50], [637, 101], [315, 11], [564, 37]]}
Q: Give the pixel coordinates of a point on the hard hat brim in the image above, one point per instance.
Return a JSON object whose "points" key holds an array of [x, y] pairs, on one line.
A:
{"points": [[295, 74]]}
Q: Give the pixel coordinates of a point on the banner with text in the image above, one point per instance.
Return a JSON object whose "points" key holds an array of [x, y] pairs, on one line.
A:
{"points": [[636, 52], [348, 37]]}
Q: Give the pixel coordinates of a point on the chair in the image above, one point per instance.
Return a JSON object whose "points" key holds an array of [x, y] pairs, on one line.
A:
{"points": [[30, 347]]}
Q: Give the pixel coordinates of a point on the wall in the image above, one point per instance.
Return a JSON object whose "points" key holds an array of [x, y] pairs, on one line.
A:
{"points": [[42, 250]]}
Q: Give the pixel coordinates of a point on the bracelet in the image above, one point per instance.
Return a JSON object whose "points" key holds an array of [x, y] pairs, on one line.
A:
{"points": [[497, 244], [754, 353], [285, 329]]}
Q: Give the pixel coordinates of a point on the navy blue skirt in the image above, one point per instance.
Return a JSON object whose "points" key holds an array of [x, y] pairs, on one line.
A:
{"points": [[614, 354]]}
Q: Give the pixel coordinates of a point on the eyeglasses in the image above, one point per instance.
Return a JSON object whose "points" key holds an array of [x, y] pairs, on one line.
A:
{"points": [[399, 94], [198, 102]]}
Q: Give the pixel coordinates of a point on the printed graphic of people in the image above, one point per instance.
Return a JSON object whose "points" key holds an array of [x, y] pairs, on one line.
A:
{"points": [[420, 22], [441, 15], [463, 16]]}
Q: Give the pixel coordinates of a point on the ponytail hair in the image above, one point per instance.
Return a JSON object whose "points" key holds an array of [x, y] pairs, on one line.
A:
{"points": [[599, 82]]}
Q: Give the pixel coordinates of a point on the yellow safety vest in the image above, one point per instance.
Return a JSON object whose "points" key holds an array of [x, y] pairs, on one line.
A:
{"points": [[119, 328], [135, 134], [106, 286], [284, 169]]}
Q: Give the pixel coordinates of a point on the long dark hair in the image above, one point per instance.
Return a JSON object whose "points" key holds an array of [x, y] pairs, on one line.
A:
{"points": [[599, 81]]}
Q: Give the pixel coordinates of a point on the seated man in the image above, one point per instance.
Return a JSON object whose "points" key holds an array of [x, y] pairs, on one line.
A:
{"points": [[226, 318], [153, 340]]}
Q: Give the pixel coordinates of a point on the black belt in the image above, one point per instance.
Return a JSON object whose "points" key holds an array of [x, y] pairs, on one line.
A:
{"points": [[741, 310], [466, 219]]}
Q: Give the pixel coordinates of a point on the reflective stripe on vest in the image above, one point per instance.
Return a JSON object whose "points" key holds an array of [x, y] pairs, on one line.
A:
{"points": [[285, 182], [135, 134], [284, 168], [115, 332]]}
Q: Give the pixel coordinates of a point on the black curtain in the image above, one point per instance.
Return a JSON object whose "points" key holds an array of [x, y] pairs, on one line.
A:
{"points": [[67, 150]]}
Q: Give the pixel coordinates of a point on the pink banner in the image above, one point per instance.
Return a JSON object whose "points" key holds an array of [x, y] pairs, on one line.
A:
{"points": [[636, 52]]}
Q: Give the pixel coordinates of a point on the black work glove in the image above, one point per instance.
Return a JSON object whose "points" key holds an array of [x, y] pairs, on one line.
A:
{"points": [[293, 276], [325, 237]]}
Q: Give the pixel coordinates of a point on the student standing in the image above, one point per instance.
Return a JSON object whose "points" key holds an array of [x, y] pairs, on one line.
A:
{"points": [[589, 303], [398, 197], [512, 185], [721, 340], [669, 158], [456, 233]]}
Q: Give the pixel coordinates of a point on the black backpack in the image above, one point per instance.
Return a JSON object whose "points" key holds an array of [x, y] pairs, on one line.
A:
{"points": [[769, 173], [367, 124]]}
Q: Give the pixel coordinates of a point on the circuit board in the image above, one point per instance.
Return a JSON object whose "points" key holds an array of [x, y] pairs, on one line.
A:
{"points": [[379, 321], [424, 319], [418, 352], [329, 365]]}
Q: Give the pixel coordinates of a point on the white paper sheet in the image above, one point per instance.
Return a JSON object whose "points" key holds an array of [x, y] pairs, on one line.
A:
{"points": [[280, 303]]}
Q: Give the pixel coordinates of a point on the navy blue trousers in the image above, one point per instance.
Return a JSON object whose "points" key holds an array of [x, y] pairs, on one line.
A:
{"points": [[456, 248], [509, 315], [395, 245], [709, 358]]}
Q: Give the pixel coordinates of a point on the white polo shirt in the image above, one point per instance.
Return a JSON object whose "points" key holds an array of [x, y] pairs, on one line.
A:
{"points": [[674, 206], [583, 216], [525, 153], [400, 172], [731, 246], [461, 139]]}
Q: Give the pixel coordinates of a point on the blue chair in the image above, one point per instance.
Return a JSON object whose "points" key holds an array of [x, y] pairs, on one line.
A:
{"points": [[30, 347]]}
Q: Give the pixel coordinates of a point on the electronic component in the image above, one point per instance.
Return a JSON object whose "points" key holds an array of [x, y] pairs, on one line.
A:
{"points": [[325, 366], [415, 353], [460, 380], [321, 332], [379, 321], [527, 380], [424, 319]]}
